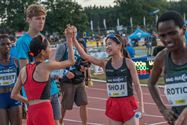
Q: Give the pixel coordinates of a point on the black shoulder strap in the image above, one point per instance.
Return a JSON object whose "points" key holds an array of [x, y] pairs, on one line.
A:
{"points": [[108, 64]]}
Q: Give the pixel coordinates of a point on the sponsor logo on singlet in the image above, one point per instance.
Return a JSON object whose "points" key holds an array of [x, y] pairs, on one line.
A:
{"points": [[176, 91]]}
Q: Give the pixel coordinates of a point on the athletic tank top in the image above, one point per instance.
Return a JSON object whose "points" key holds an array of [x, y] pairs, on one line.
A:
{"points": [[175, 82], [34, 89], [8, 74], [119, 81]]}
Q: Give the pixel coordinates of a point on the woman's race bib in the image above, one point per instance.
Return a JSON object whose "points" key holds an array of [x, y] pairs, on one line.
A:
{"points": [[7, 79], [117, 89]]}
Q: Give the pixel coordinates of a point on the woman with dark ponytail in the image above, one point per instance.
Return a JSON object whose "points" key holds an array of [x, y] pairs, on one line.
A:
{"points": [[35, 79], [36, 48], [123, 50], [120, 75]]}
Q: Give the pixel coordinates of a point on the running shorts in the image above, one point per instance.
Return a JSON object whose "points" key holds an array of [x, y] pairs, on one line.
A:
{"points": [[121, 109], [6, 102], [40, 114]]}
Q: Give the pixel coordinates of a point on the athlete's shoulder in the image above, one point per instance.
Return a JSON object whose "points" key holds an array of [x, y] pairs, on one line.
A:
{"points": [[160, 59], [129, 60], [161, 55]]}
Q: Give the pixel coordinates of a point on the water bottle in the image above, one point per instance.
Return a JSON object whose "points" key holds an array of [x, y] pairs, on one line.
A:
{"points": [[138, 115]]}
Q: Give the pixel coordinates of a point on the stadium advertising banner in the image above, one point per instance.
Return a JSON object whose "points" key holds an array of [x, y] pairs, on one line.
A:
{"points": [[143, 66]]}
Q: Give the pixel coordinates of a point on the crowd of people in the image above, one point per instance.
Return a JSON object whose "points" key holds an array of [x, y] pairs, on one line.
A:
{"points": [[27, 86]]}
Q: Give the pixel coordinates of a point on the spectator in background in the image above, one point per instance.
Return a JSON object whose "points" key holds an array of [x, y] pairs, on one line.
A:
{"points": [[12, 39], [10, 109], [148, 44], [13, 51], [35, 17], [4, 31], [136, 42], [55, 91], [158, 45], [128, 47], [87, 71], [72, 84], [157, 49]]}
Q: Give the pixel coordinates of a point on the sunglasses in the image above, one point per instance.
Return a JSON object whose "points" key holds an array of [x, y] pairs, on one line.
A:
{"points": [[114, 38]]}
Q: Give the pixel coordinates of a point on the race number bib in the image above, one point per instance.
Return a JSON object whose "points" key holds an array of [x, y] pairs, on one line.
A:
{"points": [[7, 79], [117, 89], [176, 94]]}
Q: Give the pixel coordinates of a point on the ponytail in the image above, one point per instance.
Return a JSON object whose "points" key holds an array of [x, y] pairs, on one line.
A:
{"points": [[123, 50], [125, 53], [31, 56], [37, 44]]}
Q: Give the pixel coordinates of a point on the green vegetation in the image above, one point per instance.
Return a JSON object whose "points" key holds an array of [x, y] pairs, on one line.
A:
{"points": [[62, 12]]}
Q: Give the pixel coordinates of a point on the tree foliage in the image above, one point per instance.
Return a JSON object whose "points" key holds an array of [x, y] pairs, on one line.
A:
{"points": [[98, 14], [60, 13], [12, 14], [180, 6], [63, 12], [124, 9], [138, 9]]}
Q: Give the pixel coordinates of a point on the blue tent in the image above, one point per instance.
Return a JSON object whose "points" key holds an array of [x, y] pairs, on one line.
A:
{"points": [[186, 30], [139, 34]]}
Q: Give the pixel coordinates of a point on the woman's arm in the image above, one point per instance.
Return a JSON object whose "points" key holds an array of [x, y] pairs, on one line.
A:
{"points": [[69, 37], [131, 66], [85, 56], [15, 94], [53, 65]]}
